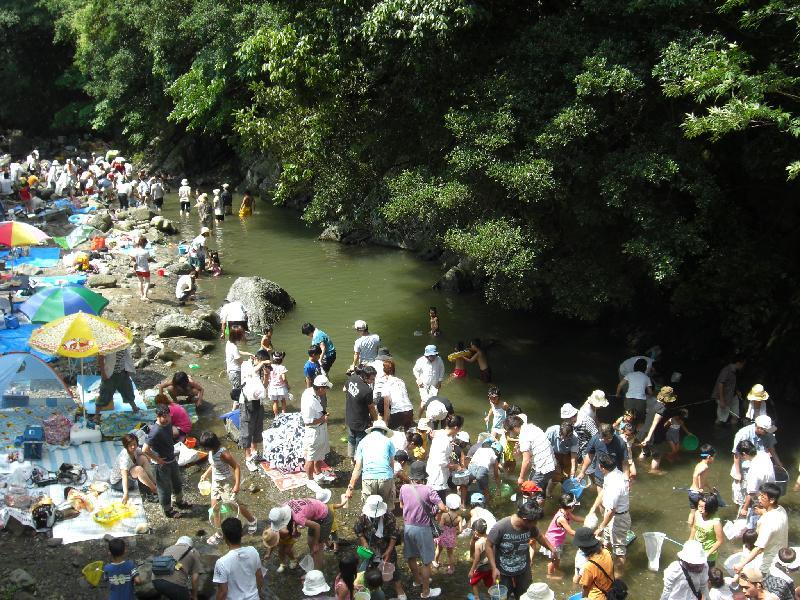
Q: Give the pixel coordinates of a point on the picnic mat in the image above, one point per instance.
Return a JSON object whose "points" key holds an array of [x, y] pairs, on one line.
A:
{"points": [[93, 453], [89, 390], [47, 281], [16, 340], [38, 257], [13, 421], [116, 424], [287, 481], [83, 527]]}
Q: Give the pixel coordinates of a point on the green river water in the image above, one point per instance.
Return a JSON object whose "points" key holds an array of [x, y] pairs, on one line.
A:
{"points": [[537, 364]]}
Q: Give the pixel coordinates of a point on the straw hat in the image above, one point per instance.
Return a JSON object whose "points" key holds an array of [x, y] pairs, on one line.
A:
{"points": [[374, 506], [666, 395], [693, 553], [270, 537], [379, 425], [757, 393], [752, 574], [538, 591], [598, 399], [315, 583]]}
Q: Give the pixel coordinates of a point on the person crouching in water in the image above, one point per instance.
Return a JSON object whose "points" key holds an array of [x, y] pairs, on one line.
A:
{"points": [[226, 477]]}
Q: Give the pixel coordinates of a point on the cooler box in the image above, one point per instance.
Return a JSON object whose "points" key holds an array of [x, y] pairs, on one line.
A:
{"points": [[11, 322], [80, 435], [33, 442]]}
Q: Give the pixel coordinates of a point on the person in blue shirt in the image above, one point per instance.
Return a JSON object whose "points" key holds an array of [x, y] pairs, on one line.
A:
{"points": [[312, 368], [120, 574], [375, 464], [325, 343]]}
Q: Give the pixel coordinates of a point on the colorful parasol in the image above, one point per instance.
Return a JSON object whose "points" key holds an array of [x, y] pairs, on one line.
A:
{"points": [[80, 335], [58, 301], [16, 233]]}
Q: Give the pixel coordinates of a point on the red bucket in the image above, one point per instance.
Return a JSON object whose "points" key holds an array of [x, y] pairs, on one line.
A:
{"points": [[161, 272]]}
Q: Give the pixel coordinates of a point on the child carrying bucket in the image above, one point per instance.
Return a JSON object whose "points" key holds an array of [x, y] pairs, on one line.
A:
{"points": [[557, 533]]}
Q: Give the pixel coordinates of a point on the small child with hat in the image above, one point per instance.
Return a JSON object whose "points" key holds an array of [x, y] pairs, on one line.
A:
{"points": [[314, 585], [450, 521]]}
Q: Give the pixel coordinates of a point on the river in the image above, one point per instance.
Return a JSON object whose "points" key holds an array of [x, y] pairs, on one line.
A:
{"points": [[537, 362]]}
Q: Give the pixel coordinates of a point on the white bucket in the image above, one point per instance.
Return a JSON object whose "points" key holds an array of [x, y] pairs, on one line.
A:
{"points": [[653, 541]]}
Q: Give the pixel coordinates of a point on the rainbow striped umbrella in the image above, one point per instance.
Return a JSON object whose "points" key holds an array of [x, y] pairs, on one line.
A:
{"points": [[16, 233], [58, 301]]}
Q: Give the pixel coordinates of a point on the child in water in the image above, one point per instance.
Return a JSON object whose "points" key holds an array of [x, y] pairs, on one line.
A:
{"points": [[700, 479], [246, 209], [479, 356], [498, 410], [460, 366], [450, 522], [557, 533], [212, 264], [674, 425], [434, 316], [278, 388]]}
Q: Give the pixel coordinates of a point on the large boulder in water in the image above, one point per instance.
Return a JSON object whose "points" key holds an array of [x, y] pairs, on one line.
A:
{"points": [[179, 325], [265, 301]]}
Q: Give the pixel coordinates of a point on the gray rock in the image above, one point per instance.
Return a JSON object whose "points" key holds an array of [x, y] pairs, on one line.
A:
{"points": [[156, 220], [154, 236], [54, 542], [145, 589], [167, 226], [28, 269], [150, 352], [190, 346], [124, 225], [102, 281], [21, 579], [101, 221], [454, 280], [178, 325], [122, 214], [142, 363], [331, 234], [265, 301], [181, 268], [136, 349], [209, 316], [167, 355], [140, 213]]}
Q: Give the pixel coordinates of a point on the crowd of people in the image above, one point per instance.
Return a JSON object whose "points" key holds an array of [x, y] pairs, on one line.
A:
{"points": [[426, 477]]}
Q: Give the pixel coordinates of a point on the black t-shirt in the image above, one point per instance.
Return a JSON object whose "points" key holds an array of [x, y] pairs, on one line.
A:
{"points": [[160, 440], [358, 398], [226, 197]]}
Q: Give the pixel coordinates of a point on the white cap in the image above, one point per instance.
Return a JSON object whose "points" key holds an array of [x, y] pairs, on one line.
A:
{"points": [[453, 501], [568, 411], [205, 230], [185, 540], [436, 411], [764, 422], [463, 436], [359, 324], [324, 495], [322, 381]]}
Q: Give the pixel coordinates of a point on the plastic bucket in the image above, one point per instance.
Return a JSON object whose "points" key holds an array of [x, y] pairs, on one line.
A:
{"points": [[506, 490], [690, 442], [93, 572], [578, 596], [364, 553], [572, 486], [498, 592], [190, 442], [161, 272], [204, 487], [781, 479], [387, 570]]}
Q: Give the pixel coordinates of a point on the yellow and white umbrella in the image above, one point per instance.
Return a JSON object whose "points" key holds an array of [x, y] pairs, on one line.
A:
{"points": [[80, 335]]}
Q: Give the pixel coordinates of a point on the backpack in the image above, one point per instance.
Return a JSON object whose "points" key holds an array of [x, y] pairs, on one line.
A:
{"points": [[165, 565]]}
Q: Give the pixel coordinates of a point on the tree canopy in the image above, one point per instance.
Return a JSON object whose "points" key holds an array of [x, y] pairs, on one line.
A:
{"points": [[593, 157]]}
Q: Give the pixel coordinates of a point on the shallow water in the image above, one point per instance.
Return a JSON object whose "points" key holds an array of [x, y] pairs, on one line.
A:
{"points": [[537, 363]]}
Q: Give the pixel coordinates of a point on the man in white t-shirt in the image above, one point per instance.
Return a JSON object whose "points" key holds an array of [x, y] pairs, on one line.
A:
{"points": [[428, 374], [637, 386], [365, 348], [538, 460], [315, 435], [232, 313], [772, 529], [238, 574], [626, 366], [124, 192], [186, 287]]}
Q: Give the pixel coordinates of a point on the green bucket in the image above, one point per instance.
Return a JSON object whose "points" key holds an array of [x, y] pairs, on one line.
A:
{"points": [[690, 442], [364, 553]]}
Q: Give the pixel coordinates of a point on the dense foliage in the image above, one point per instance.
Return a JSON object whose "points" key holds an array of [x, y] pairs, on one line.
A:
{"points": [[590, 157]]}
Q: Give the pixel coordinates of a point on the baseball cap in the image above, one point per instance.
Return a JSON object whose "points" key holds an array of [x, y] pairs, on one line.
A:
{"points": [[359, 324], [322, 381]]}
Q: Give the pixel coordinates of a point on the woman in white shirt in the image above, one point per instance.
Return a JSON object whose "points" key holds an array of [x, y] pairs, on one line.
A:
{"points": [[637, 386], [438, 465], [131, 466], [398, 411], [234, 357], [687, 577]]}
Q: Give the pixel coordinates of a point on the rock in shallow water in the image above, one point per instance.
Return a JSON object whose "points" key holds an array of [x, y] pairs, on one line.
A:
{"points": [[102, 281], [178, 325], [265, 301]]}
